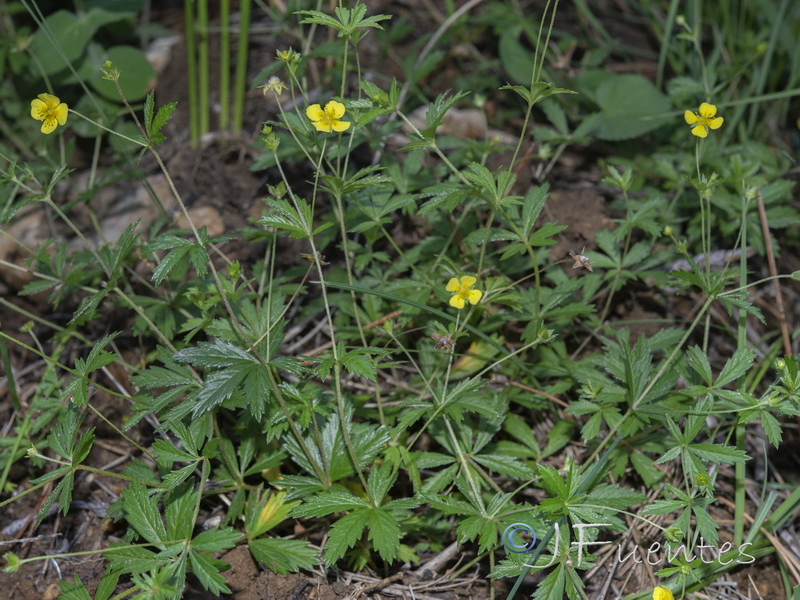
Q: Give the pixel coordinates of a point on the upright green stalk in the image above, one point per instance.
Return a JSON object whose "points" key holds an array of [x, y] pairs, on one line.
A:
{"points": [[665, 40], [241, 64], [191, 70], [202, 31], [739, 481], [224, 63]]}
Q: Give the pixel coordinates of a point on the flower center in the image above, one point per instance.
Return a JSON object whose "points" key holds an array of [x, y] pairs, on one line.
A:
{"points": [[328, 118]]}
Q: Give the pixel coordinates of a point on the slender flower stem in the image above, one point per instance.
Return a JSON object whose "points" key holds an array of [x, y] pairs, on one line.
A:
{"points": [[104, 128]]}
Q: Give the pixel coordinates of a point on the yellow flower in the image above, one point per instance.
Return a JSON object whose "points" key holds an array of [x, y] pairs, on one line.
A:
{"points": [[327, 120], [662, 593], [704, 120], [50, 110], [463, 290]]}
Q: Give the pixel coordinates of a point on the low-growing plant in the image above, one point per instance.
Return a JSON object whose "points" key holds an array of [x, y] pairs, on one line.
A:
{"points": [[463, 385]]}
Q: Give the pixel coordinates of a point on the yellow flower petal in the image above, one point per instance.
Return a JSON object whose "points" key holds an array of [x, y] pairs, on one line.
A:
{"points": [[314, 112], [690, 117], [662, 593], [467, 281], [474, 296], [334, 110], [50, 100], [453, 285], [340, 125], [700, 131], [61, 112], [707, 110], [716, 123], [323, 126], [457, 301], [38, 109], [49, 125]]}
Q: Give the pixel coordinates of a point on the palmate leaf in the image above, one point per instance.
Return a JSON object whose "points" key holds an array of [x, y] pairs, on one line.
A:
{"points": [[126, 559], [772, 428], [154, 126], [62, 441], [344, 534], [737, 366], [347, 21], [62, 436], [88, 306], [705, 525], [381, 478], [237, 369], [360, 365], [180, 250], [552, 588], [534, 202], [368, 441], [319, 18], [485, 529], [97, 359], [207, 571], [141, 512], [297, 221], [717, 453], [483, 179], [384, 533], [326, 503], [283, 556], [436, 111], [447, 195], [73, 591], [504, 465], [62, 492]]}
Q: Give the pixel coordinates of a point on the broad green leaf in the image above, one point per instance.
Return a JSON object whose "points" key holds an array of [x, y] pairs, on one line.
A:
{"points": [[61, 40], [515, 58], [137, 78], [630, 106]]}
